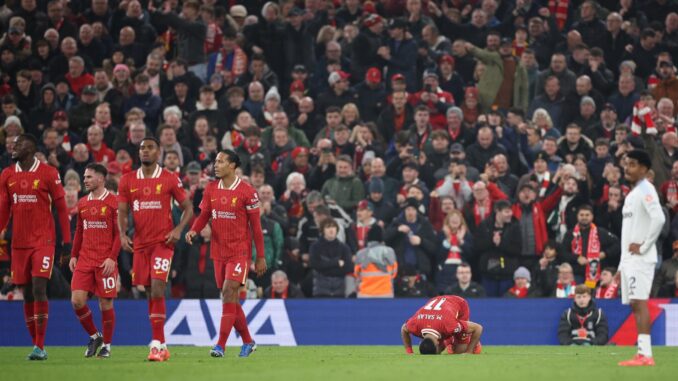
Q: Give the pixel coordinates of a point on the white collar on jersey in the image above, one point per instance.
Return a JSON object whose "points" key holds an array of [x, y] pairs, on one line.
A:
{"points": [[235, 184], [156, 173], [34, 167], [103, 196], [431, 332]]}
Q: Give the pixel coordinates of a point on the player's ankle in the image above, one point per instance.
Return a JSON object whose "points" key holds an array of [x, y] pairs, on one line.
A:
{"points": [[156, 344]]}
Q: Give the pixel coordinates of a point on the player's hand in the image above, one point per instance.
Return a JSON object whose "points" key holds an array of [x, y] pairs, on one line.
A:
{"points": [[617, 278], [634, 248], [260, 266], [72, 263], [172, 237], [189, 236], [108, 267], [126, 243]]}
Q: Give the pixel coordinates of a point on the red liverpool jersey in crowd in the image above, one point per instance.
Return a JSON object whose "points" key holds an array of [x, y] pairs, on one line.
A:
{"points": [[232, 210], [443, 316], [96, 234], [150, 200], [29, 196]]}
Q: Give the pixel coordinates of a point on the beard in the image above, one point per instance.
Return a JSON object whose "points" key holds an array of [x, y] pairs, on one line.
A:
{"points": [[147, 162]]}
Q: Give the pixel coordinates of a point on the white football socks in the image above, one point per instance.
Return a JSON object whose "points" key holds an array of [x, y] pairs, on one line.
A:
{"points": [[645, 345]]}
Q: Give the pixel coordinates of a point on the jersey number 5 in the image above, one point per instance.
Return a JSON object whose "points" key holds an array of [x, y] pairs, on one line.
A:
{"points": [[435, 306]]}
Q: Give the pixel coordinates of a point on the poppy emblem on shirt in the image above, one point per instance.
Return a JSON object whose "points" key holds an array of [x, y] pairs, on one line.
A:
{"points": [[158, 188], [93, 211], [24, 184], [36, 184], [147, 191], [224, 200], [649, 198], [234, 202]]}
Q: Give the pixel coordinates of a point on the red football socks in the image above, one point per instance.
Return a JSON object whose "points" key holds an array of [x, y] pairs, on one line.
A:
{"points": [[241, 325], [108, 324], [29, 316], [85, 316], [41, 315], [157, 317], [228, 317]]}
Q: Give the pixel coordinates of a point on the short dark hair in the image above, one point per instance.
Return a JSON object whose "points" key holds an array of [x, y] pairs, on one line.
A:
{"points": [[587, 207], [31, 138], [421, 108], [332, 109], [98, 168], [206, 89], [582, 289], [428, 347], [611, 270], [153, 139], [328, 223], [602, 142], [232, 157], [501, 205], [375, 234], [642, 157]]}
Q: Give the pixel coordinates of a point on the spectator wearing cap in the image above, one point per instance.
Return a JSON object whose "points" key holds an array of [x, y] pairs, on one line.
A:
{"points": [[668, 86], [498, 242], [66, 135], [625, 97], [298, 162], [345, 188], [366, 44], [399, 53], [410, 175], [144, 99], [376, 267], [586, 116], [382, 209], [434, 98], [81, 115], [395, 116], [413, 239], [505, 82], [607, 125], [298, 43], [339, 93], [449, 79], [388, 187], [522, 286], [371, 95], [229, 58], [191, 33], [365, 221]]}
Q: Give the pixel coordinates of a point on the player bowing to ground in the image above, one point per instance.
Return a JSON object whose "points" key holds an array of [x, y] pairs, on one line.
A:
{"points": [[28, 191], [443, 323], [232, 205], [94, 259], [642, 223], [149, 191]]}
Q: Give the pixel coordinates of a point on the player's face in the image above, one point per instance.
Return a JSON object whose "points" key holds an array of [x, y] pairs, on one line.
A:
{"points": [[634, 171], [93, 180], [222, 167], [22, 149], [148, 152], [582, 300]]}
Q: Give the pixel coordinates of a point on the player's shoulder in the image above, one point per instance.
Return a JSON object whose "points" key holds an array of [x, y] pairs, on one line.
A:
{"points": [[82, 201], [8, 170], [111, 199], [165, 174], [245, 187], [47, 170], [647, 189]]}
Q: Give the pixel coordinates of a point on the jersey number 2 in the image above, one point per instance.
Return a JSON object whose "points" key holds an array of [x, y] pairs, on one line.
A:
{"points": [[435, 306]]}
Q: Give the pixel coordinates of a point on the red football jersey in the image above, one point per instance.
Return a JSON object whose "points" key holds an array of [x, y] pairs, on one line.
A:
{"points": [[96, 234], [231, 210], [151, 203], [30, 195], [443, 316]]}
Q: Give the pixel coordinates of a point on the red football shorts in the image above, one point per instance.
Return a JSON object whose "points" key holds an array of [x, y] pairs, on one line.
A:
{"points": [[91, 279], [32, 262], [235, 269], [152, 262]]}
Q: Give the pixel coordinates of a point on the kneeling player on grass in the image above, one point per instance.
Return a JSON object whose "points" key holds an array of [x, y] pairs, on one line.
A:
{"points": [[443, 323], [94, 259], [232, 206]]}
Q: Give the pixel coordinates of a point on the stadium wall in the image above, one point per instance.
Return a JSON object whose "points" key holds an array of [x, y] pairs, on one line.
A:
{"points": [[333, 322]]}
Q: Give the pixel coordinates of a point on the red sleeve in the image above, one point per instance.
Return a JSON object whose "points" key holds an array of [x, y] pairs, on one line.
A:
{"points": [[115, 249], [177, 189], [205, 207], [123, 190], [77, 240], [495, 192], [64, 222], [552, 200], [4, 202], [254, 217]]}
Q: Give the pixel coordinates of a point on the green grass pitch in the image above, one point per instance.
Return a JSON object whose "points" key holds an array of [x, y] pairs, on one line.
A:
{"points": [[346, 363]]}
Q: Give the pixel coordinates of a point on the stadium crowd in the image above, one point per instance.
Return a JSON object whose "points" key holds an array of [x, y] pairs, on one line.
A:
{"points": [[399, 147]]}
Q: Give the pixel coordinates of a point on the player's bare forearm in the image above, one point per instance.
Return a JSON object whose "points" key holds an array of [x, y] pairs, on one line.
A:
{"points": [[123, 214], [186, 216], [4, 212], [407, 340], [257, 233], [64, 221], [476, 331]]}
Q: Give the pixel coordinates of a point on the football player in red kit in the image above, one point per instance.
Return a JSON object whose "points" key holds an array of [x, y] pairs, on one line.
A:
{"points": [[443, 323], [232, 205], [94, 259], [28, 191], [149, 192]]}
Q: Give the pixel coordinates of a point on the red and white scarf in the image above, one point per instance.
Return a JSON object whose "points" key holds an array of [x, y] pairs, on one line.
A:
{"points": [[608, 292], [642, 115], [545, 183], [565, 290], [454, 252], [592, 253], [479, 215], [558, 8], [519, 292]]}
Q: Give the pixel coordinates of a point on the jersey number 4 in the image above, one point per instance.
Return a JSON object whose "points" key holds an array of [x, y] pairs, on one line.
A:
{"points": [[435, 304]]}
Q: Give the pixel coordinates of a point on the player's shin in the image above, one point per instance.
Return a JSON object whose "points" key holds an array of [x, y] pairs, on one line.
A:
{"points": [[84, 315], [157, 317], [241, 325], [228, 317], [41, 309], [108, 325], [29, 317]]}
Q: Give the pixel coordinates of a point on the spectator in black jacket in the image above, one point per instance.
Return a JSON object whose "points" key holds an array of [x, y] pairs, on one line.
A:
{"points": [[281, 288], [411, 236], [465, 287], [546, 271], [498, 243], [330, 261], [583, 323]]}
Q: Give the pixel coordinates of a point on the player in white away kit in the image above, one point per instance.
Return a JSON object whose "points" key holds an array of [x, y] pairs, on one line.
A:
{"points": [[642, 222]]}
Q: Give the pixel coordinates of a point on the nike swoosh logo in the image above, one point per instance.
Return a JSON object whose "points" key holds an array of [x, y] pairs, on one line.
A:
{"points": [[108, 291], [213, 199], [133, 190], [43, 270], [12, 183], [159, 272], [83, 211]]}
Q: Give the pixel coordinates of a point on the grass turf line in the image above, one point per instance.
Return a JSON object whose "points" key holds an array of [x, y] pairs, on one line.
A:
{"points": [[329, 363]]}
